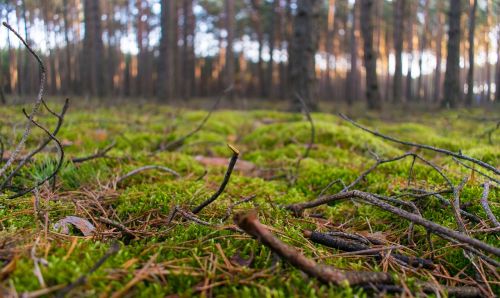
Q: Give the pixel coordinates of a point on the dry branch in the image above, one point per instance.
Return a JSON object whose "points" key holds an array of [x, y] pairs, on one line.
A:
{"points": [[230, 168], [311, 140], [458, 155], [417, 219], [327, 274]]}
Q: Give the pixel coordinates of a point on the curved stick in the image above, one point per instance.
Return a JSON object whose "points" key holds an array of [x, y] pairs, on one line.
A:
{"points": [[146, 168], [486, 206]]}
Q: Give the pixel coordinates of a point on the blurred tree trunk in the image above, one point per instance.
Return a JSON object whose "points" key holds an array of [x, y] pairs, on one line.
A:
{"points": [[399, 8], [93, 49], [497, 70], [229, 67], [188, 49], [166, 65], [353, 80], [452, 88], [422, 48], [257, 23], [470, 73], [370, 56], [69, 86], [330, 35], [439, 55], [272, 35], [302, 54], [488, 66], [409, 34]]}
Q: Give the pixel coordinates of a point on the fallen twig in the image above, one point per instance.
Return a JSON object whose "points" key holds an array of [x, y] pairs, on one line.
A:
{"points": [[476, 170], [230, 168], [327, 274], [117, 225], [146, 168], [371, 199], [458, 155]]}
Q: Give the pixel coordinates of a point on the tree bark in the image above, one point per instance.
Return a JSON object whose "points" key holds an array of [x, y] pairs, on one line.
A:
{"points": [[166, 65], [452, 88], [353, 80], [470, 73], [423, 45], [302, 54], [439, 46], [93, 49], [270, 64], [370, 56], [399, 8], [188, 49], [229, 69]]}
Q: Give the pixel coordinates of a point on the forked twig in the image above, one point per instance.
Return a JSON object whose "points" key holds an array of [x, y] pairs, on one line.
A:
{"points": [[101, 153]]}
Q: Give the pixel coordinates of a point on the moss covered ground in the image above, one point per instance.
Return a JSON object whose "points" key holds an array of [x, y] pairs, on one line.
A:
{"points": [[185, 258]]}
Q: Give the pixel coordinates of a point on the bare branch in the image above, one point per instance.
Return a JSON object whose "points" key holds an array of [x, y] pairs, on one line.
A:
{"points": [[146, 168], [486, 206]]}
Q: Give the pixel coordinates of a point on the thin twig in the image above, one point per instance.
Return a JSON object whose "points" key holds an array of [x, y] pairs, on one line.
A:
{"points": [[458, 155], [372, 200], [101, 153], [476, 170], [117, 225], [146, 168], [230, 168]]}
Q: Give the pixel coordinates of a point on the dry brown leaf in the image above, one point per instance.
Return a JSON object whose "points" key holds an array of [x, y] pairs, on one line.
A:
{"points": [[9, 268], [81, 224]]}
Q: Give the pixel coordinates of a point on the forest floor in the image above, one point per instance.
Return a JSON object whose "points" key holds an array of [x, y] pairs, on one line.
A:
{"points": [[206, 254]]}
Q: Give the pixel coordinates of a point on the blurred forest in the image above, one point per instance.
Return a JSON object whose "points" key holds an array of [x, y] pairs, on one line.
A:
{"points": [[406, 51]]}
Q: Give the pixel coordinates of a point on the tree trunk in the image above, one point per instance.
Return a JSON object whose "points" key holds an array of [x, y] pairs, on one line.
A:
{"points": [[330, 35], [93, 49], [423, 45], [399, 8], [370, 56], [470, 73], [188, 49], [409, 75], [452, 88], [353, 80], [257, 23], [166, 65], [302, 54], [229, 69], [69, 74], [439, 46], [270, 64]]}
